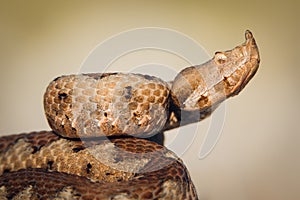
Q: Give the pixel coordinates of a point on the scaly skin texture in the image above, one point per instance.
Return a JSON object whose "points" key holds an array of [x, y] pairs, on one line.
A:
{"points": [[37, 166], [88, 105], [77, 161]]}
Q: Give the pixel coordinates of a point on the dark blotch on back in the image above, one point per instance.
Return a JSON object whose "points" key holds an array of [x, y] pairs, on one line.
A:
{"points": [[34, 149], [77, 149], [88, 168], [57, 78], [128, 92], [148, 77], [99, 76], [62, 95], [50, 164]]}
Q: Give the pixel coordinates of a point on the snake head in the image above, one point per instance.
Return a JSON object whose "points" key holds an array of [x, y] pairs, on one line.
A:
{"points": [[226, 74], [239, 65]]}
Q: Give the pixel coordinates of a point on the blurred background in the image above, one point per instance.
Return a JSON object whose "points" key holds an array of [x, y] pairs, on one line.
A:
{"points": [[257, 155]]}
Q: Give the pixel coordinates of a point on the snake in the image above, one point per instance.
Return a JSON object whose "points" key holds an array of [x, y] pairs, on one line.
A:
{"points": [[97, 147]]}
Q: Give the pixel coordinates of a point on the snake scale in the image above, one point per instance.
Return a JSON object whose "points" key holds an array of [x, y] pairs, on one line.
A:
{"points": [[97, 150]]}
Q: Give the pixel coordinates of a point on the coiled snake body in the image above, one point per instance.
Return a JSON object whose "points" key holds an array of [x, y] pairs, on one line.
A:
{"points": [[94, 151]]}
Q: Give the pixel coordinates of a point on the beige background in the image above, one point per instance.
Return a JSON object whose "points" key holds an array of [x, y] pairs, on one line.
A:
{"points": [[257, 156]]}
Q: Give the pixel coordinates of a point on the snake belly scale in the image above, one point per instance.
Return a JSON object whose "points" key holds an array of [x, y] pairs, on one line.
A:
{"points": [[96, 148]]}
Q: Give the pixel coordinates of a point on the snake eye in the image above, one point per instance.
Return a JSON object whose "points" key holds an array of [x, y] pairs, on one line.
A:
{"points": [[220, 58]]}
